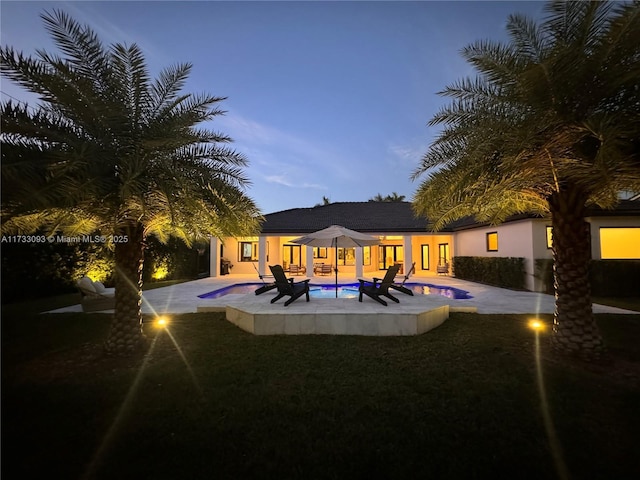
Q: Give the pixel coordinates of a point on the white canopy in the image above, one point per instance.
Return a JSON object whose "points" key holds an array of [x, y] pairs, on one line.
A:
{"points": [[337, 237]]}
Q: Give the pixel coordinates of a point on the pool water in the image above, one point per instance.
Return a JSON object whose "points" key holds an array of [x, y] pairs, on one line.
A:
{"points": [[344, 290]]}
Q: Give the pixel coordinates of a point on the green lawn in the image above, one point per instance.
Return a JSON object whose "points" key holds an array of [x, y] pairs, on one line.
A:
{"points": [[459, 402]]}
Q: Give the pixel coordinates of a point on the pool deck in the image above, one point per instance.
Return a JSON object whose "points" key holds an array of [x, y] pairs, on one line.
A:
{"points": [[183, 298]]}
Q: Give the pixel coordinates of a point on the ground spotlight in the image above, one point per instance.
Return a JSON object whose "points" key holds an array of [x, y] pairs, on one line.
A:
{"points": [[161, 322], [536, 324]]}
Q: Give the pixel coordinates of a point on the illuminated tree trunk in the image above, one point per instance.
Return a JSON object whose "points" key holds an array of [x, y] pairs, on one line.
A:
{"points": [[125, 336], [574, 328]]}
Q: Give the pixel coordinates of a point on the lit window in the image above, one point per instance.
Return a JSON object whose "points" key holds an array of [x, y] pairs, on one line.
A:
{"points": [[425, 257], [319, 252], [549, 237], [346, 256], [492, 242], [248, 251], [620, 242], [366, 255]]}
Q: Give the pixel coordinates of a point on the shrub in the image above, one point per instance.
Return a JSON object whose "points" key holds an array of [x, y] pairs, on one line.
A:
{"points": [[609, 278], [615, 278], [173, 260], [505, 272], [33, 270]]}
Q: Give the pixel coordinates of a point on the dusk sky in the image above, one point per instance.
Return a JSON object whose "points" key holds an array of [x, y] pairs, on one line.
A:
{"points": [[324, 98]]}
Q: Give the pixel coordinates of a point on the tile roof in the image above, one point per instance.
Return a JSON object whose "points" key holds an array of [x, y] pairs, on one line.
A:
{"points": [[360, 216], [387, 217]]}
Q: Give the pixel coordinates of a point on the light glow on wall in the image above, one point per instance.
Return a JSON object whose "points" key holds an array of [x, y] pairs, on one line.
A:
{"points": [[621, 243]]}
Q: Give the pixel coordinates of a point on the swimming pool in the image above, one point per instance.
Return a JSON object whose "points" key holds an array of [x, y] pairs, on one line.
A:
{"points": [[349, 290]]}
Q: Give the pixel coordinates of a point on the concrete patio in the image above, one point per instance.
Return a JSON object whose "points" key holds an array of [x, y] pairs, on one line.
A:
{"points": [[183, 298]]}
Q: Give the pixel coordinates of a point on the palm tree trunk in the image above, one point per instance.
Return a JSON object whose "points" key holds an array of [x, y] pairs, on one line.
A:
{"points": [[125, 336], [574, 328]]}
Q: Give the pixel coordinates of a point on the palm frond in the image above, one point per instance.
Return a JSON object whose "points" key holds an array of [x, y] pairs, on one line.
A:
{"points": [[108, 147], [555, 107], [167, 87], [529, 41], [81, 44]]}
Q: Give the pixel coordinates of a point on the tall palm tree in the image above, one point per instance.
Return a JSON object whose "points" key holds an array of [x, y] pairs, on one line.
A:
{"points": [[550, 125], [108, 149]]}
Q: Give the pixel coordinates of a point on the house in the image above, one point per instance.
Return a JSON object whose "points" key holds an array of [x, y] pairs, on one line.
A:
{"points": [[404, 239]]}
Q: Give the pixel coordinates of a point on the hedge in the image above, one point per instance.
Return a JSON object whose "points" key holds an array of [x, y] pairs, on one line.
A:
{"points": [[507, 272], [174, 260], [35, 270], [609, 278]]}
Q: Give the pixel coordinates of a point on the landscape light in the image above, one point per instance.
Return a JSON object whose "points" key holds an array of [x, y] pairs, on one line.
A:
{"points": [[536, 325], [161, 322]]}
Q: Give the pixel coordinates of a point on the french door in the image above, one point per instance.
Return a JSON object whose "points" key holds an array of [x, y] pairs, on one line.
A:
{"points": [[388, 255], [443, 253], [291, 255]]}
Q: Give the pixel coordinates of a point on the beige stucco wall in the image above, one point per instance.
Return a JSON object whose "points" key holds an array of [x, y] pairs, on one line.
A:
{"points": [[433, 240], [525, 238], [515, 239], [274, 246]]}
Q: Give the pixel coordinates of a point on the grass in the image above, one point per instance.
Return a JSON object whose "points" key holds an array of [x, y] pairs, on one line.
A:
{"points": [[461, 401]]}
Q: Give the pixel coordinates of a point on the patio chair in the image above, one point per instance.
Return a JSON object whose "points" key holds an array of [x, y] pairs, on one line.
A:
{"points": [[381, 289], [95, 297], [443, 269], [325, 269], [400, 287], [287, 287], [297, 269], [265, 286]]}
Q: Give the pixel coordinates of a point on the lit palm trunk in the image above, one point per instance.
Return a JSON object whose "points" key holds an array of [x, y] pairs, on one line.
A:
{"points": [[574, 327], [126, 334]]}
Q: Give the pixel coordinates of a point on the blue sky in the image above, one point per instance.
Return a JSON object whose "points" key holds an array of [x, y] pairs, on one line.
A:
{"points": [[324, 98]]}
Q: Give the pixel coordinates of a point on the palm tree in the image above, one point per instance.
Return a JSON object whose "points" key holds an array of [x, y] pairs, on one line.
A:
{"points": [[325, 201], [109, 150], [550, 125], [394, 197]]}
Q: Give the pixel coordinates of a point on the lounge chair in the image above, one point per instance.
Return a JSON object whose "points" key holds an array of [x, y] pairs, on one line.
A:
{"points": [[400, 287], [265, 286], [95, 296], [297, 270], [287, 287], [377, 290]]}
